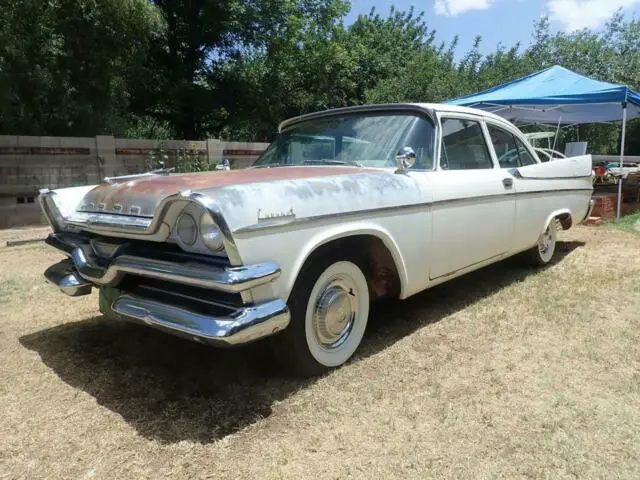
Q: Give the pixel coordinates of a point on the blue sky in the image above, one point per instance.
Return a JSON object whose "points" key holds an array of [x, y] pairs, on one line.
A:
{"points": [[506, 21]]}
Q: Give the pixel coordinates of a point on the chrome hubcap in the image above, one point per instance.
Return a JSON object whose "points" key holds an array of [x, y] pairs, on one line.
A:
{"points": [[334, 312], [545, 241]]}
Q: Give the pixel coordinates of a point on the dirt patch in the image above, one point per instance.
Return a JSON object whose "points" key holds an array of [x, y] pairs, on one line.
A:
{"points": [[507, 372], [24, 235]]}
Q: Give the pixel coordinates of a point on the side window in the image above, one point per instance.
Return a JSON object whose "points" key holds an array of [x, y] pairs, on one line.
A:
{"points": [[510, 151], [420, 137], [525, 156], [463, 146], [504, 144]]}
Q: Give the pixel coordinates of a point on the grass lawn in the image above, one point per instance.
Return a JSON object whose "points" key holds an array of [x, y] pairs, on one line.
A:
{"points": [[508, 372], [628, 222]]}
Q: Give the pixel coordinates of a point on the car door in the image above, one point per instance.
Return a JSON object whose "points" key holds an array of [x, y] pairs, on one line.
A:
{"points": [[474, 201], [531, 210]]}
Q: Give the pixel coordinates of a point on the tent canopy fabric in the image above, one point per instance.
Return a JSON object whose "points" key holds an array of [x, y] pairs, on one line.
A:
{"points": [[556, 95]]}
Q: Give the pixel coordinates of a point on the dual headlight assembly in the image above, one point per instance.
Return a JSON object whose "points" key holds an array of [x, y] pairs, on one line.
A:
{"points": [[189, 231]]}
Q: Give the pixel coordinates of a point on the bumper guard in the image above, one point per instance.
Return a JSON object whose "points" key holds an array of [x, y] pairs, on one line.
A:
{"points": [[592, 203]]}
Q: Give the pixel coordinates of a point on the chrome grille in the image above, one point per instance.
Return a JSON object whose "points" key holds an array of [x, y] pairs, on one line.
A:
{"points": [[196, 299]]}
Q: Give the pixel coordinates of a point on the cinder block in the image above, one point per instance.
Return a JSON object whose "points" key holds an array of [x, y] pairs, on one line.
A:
{"points": [[592, 221]]}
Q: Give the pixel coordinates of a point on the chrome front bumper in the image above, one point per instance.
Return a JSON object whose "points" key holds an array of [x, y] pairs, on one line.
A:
{"points": [[242, 326], [231, 279], [239, 324]]}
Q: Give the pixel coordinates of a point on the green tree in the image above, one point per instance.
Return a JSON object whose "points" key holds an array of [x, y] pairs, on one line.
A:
{"points": [[297, 63], [235, 68], [68, 66]]}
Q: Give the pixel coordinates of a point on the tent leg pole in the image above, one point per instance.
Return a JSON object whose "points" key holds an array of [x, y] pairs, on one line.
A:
{"points": [[557, 130], [624, 129]]}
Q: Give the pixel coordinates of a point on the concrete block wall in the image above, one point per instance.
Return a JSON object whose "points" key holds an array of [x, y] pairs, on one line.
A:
{"points": [[131, 155], [240, 154], [28, 163]]}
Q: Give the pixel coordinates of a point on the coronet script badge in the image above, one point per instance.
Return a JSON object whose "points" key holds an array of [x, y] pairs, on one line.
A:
{"points": [[275, 215]]}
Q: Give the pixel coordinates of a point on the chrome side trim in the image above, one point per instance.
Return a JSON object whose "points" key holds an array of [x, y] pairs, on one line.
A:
{"points": [[230, 279], [241, 326], [554, 178], [562, 190], [70, 283], [516, 173], [317, 218], [383, 210]]}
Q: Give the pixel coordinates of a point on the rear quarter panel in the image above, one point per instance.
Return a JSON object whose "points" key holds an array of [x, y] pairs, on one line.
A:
{"points": [[546, 190]]}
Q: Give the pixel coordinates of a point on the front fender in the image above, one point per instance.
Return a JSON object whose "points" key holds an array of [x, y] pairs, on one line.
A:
{"points": [[343, 231]]}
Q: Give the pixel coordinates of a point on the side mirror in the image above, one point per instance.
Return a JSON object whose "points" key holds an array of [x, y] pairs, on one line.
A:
{"points": [[405, 159]]}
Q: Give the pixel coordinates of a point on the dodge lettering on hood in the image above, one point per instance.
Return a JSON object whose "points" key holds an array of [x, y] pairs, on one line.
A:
{"points": [[345, 207]]}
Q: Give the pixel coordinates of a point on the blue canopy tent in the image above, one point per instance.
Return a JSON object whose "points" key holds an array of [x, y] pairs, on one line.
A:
{"points": [[559, 96]]}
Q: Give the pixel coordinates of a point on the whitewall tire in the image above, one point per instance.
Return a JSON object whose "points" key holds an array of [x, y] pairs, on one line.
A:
{"points": [[329, 308], [337, 314], [542, 253]]}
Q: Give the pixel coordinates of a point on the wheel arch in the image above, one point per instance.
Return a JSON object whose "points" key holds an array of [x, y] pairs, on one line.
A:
{"points": [[355, 233], [563, 215]]}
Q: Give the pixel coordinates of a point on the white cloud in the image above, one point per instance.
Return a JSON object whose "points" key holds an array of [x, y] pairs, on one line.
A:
{"points": [[451, 8], [577, 14]]}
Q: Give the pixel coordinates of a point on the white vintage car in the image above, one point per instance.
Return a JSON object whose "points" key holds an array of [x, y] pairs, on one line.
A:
{"points": [[345, 207]]}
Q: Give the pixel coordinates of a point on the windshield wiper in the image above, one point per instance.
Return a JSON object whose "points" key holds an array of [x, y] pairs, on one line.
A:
{"points": [[268, 165], [327, 161]]}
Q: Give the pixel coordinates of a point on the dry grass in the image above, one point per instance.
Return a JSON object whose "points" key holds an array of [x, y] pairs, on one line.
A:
{"points": [[23, 234], [508, 372]]}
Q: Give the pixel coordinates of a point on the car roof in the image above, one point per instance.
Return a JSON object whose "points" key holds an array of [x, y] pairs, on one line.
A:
{"points": [[430, 108], [445, 107]]}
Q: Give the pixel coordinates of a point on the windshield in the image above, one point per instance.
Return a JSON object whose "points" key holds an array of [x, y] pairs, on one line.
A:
{"points": [[368, 140]]}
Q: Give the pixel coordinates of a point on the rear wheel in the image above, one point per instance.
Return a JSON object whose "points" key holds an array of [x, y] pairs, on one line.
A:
{"points": [[545, 248], [329, 308]]}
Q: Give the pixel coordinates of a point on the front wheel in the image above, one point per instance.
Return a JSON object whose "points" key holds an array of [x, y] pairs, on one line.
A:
{"points": [[329, 308], [545, 248]]}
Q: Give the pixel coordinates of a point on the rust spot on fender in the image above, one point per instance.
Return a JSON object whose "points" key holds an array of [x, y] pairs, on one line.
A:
{"points": [[196, 181], [384, 279]]}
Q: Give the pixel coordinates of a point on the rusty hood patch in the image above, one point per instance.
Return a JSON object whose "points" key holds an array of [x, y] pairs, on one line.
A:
{"points": [[141, 196]]}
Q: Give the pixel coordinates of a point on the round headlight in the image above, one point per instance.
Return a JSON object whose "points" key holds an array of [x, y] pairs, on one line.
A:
{"points": [[210, 233], [187, 229]]}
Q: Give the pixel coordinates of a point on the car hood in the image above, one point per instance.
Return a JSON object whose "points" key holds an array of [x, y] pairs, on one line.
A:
{"points": [[141, 196]]}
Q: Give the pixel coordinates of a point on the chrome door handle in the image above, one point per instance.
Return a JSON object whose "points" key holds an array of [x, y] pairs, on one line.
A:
{"points": [[507, 182]]}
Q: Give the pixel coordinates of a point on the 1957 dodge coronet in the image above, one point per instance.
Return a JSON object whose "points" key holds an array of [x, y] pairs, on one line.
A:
{"points": [[346, 206]]}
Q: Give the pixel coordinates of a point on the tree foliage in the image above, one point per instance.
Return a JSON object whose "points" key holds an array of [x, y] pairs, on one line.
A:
{"points": [[235, 68], [72, 65]]}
